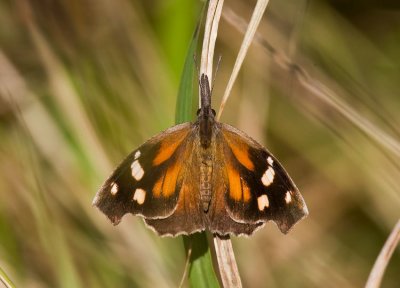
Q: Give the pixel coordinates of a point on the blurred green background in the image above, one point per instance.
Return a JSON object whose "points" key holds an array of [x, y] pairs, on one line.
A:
{"points": [[82, 83]]}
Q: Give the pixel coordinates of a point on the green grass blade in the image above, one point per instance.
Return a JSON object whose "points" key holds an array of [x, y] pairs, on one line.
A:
{"points": [[201, 271], [185, 104]]}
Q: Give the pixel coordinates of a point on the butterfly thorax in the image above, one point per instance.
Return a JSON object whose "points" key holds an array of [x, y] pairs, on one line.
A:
{"points": [[206, 123]]}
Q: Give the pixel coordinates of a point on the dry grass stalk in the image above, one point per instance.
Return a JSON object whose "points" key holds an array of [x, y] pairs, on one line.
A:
{"points": [[225, 257], [376, 275]]}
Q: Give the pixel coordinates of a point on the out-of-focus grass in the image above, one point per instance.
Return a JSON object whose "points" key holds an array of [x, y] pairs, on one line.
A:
{"points": [[83, 83]]}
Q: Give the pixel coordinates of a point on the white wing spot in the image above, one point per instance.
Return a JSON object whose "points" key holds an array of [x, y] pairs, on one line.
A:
{"points": [[137, 170], [270, 160], [114, 188], [139, 196], [262, 202], [268, 176], [137, 154], [288, 197]]}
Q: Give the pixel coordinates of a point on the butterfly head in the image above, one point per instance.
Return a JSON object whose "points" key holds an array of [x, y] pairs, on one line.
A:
{"points": [[205, 115]]}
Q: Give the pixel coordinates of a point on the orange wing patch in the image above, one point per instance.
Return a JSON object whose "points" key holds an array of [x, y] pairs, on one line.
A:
{"points": [[166, 185], [169, 145], [238, 189], [157, 187], [235, 188], [169, 185], [240, 150]]}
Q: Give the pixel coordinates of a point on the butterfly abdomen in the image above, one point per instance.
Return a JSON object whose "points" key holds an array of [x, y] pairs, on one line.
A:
{"points": [[206, 170]]}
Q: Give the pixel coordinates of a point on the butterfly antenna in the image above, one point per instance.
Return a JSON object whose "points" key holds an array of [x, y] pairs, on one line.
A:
{"points": [[197, 66], [216, 72]]}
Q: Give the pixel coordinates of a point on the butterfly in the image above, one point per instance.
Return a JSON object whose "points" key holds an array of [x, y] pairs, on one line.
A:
{"points": [[203, 175]]}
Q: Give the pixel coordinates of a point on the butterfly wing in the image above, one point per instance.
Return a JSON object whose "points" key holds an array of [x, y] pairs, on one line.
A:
{"points": [[188, 216], [186, 219], [148, 182], [219, 220], [258, 187]]}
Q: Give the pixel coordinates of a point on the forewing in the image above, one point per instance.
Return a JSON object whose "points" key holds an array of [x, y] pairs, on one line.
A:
{"points": [[259, 188], [146, 183]]}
